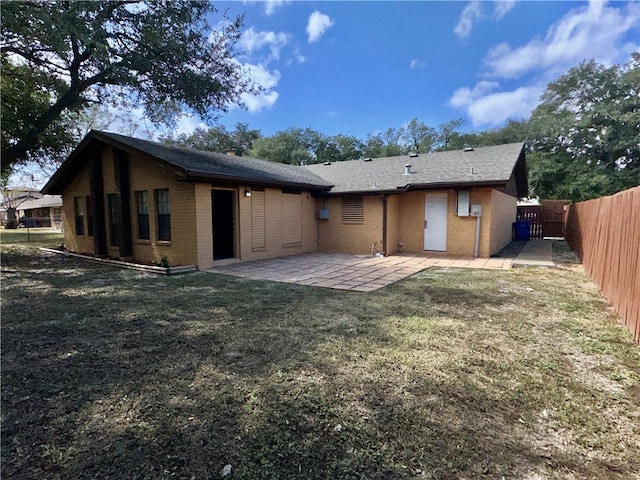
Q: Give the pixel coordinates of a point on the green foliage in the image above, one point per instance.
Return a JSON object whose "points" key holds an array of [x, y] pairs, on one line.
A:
{"points": [[218, 139], [587, 131], [162, 55]]}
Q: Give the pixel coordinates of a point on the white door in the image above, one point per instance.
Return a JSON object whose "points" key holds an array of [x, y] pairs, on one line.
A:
{"points": [[435, 221]]}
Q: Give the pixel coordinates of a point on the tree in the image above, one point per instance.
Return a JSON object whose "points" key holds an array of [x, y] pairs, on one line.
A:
{"points": [[419, 137], [448, 137], [162, 55], [588, 125], [295, 146], [217, 139]]}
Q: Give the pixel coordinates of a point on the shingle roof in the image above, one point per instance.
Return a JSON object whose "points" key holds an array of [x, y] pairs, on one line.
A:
{"points": [[497, 166], [194, 164], [491, 166]]}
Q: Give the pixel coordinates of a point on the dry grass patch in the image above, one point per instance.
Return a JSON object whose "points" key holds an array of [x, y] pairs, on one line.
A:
{"points": [[110, 373]]}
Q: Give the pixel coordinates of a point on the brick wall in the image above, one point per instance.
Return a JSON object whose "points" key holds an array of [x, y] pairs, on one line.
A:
{"points": [[275, 242], [79, 187], [335, 236], [503, 214]]}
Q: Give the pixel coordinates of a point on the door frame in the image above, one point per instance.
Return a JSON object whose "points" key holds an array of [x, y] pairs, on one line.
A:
{"points": [[234, 215]]}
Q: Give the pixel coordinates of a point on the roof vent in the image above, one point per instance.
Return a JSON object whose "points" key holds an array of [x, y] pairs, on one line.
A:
{"points": [[471, 171], [368, 159], [468, 149], [231, 152], [327, 163], [413, 154], [407, 169]]}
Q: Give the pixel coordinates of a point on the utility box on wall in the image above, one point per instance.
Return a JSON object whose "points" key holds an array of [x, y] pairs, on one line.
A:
{"points": [[323, 214], [462, 207]]}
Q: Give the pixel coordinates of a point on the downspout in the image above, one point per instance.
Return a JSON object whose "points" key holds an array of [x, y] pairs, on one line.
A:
{"points": [[384, 225]]}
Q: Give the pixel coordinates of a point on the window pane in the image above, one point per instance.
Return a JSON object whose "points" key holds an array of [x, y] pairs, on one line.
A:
{"points": [[143, 215], [163, 213], [78, 208]]}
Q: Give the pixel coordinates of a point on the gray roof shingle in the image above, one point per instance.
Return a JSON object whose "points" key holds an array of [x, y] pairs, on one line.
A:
{"points": [[491, 166], [194, 164], [199, 163]]}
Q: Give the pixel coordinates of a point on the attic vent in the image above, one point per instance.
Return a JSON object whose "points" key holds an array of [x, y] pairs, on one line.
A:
{"points": [[413, 154], [327, 163], [407, 169], [468, 149], [368, 159]]}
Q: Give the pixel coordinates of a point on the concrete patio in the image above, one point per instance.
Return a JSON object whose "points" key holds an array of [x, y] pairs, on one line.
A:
{"points": [[351, 272]]}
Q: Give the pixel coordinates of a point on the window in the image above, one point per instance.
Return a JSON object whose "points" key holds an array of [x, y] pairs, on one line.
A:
{"points": [[143, 215], [89, 217], [163, 214], [78, 209], [352, 210], [291, 219], [258, 224], [114, 229]]}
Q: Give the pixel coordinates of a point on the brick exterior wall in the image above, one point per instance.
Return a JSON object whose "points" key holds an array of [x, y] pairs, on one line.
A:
{"points": [[503, 214], [191, 219], [275, 244], [79, 187], [335, 236]]}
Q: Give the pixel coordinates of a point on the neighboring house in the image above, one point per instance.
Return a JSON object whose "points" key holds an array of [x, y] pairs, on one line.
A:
{"points": [[138, 200], [45, 211], [30, 208]]}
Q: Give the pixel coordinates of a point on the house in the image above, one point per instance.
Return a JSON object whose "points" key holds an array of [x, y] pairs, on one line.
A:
{"points": [[139, 200], [30, 208], [423, 202]]}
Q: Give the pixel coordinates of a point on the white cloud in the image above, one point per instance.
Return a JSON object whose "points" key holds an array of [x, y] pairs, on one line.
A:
{"points": [[253, 41], [270, 6], [186, 123], [471, 13], [317, 25], [591, 32], [502, 7], [267, 80], [486, 108], [596, 31], [464, 96], [415, 63]]}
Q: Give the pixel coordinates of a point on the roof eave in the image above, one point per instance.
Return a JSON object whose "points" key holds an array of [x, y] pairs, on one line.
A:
{"points": [[196, 176]]}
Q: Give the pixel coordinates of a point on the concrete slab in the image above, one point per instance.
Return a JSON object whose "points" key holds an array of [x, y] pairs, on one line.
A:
{"points": [[350, 272], [537, 252]]}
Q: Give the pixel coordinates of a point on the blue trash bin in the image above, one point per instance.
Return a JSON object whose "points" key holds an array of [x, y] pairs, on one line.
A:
{"points": [[521, 230]]}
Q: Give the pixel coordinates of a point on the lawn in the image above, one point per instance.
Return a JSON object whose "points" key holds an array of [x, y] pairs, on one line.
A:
{"points": [[110, 373]]}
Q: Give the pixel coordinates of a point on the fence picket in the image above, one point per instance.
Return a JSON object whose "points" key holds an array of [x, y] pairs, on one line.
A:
{"points": [[605, 234]]}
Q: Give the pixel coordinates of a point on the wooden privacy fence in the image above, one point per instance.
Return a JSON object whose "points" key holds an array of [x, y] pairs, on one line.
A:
{"points": [[546, 220], [605, 234]]}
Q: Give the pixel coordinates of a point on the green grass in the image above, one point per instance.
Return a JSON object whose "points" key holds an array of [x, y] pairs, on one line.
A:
{"points": [[111, 373], [30, 237]]}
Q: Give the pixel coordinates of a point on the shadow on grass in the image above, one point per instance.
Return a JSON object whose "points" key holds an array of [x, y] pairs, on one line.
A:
{"points": [[111, 374]]}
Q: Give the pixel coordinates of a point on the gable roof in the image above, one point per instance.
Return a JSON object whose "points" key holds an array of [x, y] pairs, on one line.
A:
{"points": [[500, 166], [190, 164]]}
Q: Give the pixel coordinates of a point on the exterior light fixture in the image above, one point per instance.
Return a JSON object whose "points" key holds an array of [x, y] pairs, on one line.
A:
{"points": [[247, 193]]}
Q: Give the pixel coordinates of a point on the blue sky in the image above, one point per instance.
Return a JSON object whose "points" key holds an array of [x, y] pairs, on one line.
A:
{"points": [[362, 67]]}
